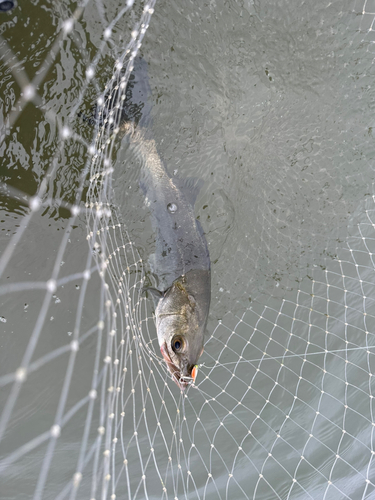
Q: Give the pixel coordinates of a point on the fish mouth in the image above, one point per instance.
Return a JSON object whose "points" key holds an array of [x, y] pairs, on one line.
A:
{"points": [[180, 380]]}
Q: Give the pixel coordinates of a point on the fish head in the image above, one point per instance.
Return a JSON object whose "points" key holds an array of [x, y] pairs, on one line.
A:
{"points": [[180, 332]]}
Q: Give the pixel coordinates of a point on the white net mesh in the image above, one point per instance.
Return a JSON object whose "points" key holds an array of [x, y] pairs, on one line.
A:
{"points": [[271, 105]]}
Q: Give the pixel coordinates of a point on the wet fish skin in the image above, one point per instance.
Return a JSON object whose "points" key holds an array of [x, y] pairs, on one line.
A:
{"points": [[181, 261], [181, 315]]}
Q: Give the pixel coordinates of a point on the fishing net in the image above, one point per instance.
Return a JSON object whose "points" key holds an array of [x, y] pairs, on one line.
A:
{"points": [[271, 105]]}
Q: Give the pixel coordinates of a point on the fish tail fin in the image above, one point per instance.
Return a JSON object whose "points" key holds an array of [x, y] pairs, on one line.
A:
{"points": [[138, 105]]}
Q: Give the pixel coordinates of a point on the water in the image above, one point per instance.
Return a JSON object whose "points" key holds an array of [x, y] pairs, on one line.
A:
{"points": [[270, 104]]}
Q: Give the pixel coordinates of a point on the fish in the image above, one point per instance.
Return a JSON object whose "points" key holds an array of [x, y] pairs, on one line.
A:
{"points": [[181, 262]]}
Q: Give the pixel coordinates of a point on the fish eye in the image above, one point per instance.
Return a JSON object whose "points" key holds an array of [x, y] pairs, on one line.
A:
{"points": [[177, 344]]}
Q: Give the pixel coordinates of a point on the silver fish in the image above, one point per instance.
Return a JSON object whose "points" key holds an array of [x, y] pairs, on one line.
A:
{"points": [[181, 261]]}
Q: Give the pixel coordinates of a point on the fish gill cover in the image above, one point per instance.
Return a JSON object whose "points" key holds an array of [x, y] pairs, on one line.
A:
{"points": [[270, 104]]}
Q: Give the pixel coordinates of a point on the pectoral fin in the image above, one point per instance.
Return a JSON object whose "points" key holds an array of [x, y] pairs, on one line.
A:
{"points": [[155, 294]]}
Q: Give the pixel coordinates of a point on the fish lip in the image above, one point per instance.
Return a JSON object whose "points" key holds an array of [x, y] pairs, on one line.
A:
{"points": [[174, 371]]}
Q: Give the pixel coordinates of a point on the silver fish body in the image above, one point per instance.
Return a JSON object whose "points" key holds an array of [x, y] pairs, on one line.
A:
{"points": [[181, 261]]}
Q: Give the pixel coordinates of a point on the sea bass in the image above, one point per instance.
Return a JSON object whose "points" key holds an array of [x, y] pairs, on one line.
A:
{"points": [[181, 261]]}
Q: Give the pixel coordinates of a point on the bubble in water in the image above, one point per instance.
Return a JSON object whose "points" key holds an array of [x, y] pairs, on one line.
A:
{"points": [[7, 5], [172, 207]]}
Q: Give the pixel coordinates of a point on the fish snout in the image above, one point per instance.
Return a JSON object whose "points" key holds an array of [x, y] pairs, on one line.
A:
{"points": [[188, 376], [183, 377]]}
